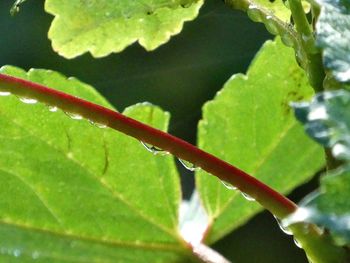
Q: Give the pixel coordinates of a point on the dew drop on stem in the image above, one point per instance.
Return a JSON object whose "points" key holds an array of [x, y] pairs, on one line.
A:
{"points": [[248, 197], [28, 100], [74, 116], [53, 108], [296, 242], [254, 13], [287, 40], [188, 165], [5, 93], [98, 125], [284, 229], [228, 185], [271, 25], [153, 149]]}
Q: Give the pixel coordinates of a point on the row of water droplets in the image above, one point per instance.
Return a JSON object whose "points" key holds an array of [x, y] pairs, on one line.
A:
{"points": [[255, 14], [191, 167], [15, 252], [52, 108], [287, 231], [153, 149], [157, 151], [279, 28]]}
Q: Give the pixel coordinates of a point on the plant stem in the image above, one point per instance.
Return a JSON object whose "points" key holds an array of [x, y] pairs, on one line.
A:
{"points": [[314, 66], [276, 203], [273, 201]]}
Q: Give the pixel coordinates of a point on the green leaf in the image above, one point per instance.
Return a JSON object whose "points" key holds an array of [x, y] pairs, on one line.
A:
{"points": [[73, 192], [102, 27], [250, 124], [333, 35], [327, 120]]}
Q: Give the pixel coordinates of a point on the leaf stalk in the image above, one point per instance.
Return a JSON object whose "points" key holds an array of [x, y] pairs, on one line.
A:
{"points": [[270, 199]]}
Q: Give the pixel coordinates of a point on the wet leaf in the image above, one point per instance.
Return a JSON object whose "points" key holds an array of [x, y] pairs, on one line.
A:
{"points": [[251, 125], [333, 36], [73, 192], [103, 27]]}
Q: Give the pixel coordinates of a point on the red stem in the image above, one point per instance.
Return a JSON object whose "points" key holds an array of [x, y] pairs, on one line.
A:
{"points": [[276, 203]]}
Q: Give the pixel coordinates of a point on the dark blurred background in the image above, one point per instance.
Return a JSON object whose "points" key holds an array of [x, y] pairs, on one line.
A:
{"points": [[180, 77]]}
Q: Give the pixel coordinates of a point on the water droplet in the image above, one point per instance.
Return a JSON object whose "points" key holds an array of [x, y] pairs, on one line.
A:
{"points": [[5, 93], [309, 43], [247, 197], [188, 165], [17, 252], [284, 229], [74, 116], [28, 100], [254, 13], [228, 185], [35, 255], [288, 40], [98, 125], [271, 25], [299, 56], [296, 242], [340, 151], [318, 113], [53, 108], [153, 149]]}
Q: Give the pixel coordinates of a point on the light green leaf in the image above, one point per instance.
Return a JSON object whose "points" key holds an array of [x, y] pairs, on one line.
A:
{"points": [[333, 35], [250, 125], [73, 192], [102, 27]]}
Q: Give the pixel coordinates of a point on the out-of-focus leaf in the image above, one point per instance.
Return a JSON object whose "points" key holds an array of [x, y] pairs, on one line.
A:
{"points": [[327, 120], [333, 36], [73, 192], [251, 125], [106, 26]]}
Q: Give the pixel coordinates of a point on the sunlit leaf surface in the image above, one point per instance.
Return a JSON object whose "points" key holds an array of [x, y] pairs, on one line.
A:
{"points": [[250, 124], [74, 192], [103, 27]]}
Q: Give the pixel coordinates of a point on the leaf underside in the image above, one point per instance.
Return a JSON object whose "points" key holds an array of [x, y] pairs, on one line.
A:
{"points": [[73, 192], [103, 27], [250, 124]]}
